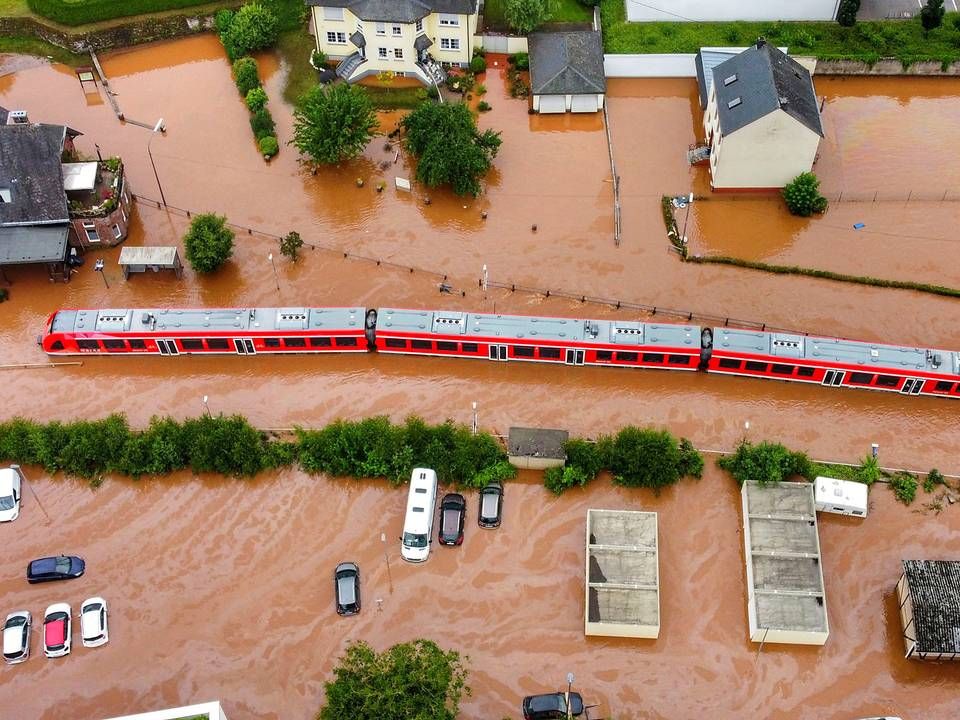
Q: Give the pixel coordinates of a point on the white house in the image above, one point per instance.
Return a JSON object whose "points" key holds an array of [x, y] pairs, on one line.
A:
{"points": [[705, 10], [411, 38], [762, 121], [566, 71]]}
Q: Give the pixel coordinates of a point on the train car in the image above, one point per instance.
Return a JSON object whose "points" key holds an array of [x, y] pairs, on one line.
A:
{"points": [[835, 363], [241, 331], [608, 343]]}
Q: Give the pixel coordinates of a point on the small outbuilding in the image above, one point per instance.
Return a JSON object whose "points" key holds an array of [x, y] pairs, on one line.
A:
{"points": [[156, 258], [842, 497], [566, 71], [536, 448], [929, 596]]}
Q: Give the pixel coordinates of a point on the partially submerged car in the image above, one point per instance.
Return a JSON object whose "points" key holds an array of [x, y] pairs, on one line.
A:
{"points": [[346, 588], [60, 567], [453, 510], [16, 637], [10, 481], [93, 622], [552, 706], [491, 505], [57, 630]]}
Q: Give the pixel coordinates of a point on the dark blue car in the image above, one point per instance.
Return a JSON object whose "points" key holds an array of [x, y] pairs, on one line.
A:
{"points": [[61, 567]]}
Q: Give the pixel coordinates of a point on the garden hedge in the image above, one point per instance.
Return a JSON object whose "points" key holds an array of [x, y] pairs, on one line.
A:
{"points": [[81, 12]]}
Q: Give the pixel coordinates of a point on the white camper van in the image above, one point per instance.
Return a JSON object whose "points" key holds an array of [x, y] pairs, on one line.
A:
{"points": [[843, 497], [418, 524]]}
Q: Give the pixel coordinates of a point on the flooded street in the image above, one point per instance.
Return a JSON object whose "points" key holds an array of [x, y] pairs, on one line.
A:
{"points": [[223, 589]]}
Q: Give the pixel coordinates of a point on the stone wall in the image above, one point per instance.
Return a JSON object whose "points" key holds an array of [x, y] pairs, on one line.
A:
{"points": [[884, 67]]}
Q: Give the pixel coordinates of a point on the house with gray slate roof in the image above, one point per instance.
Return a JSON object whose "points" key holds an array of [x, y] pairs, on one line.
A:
{"points": [[762, 121], [566, 71], [928, 593]]}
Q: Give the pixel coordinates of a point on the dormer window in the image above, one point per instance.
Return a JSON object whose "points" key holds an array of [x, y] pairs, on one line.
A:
{"points": [[733, 103], [730, 80], [5, 195]]}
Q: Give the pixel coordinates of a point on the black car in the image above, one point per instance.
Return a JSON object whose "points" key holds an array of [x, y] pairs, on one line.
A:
{"points": [[346, 588], [491, 505], [551, 706], [61, 567], [453, 510]]}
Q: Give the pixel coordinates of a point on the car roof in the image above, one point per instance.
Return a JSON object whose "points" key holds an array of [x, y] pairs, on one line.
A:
{"points": [[90, 623], [12, 639], [55, 631], [346, 590], [43, 565], [550, 701]]}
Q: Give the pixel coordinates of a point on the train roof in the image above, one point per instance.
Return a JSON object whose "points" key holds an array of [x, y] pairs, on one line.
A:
{"points": [[146, 320], [520, 327], [850, 352]]}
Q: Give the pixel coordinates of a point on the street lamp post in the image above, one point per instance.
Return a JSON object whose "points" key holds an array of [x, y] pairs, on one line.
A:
{"points": [[157, 128], [276, 277], [206, 407], [570, 679], [683, 235], [98, 266], [476, 419]]}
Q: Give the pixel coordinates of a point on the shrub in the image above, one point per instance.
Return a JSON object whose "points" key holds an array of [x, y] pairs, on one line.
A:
{"points": [[765, 463], [645, 458], [433, 93], [869, 471], [904, 487], [484, 106], [691, 461], [290, 245], [268, 146], [256, 99], [847, 12], [253, 27], [559, 479], [246, 75], [208, 242], [226, 445], [318, 58], [931, 14], [222, 20], [480, 89], [803, 197], [933, 478], [261, 122], [520, 60], [478, 64]]}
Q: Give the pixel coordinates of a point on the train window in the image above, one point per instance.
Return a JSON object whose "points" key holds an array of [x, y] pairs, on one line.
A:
{"points": [[88, 344], [889, 380], [396, 343], [319, 342], [217, 344], [449, 346], [942, 386], [295, 342], [758, 366], [805, 371], [522, 351], [627, 356], [191, 344], [114, 345], [469, 347], [679, 359], [653, 357], [550, 353], [783, 369], [421, 344], [603, 355], [729, 364], [861, 378], [346, 342], [271, 342]]}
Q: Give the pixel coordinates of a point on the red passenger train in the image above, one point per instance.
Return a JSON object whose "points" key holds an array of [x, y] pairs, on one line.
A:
{"points": [[830, 362]]}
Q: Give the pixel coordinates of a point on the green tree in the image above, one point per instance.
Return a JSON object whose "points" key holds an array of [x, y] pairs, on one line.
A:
{"points": [[256, 99], [803, 197], [245, 75], [449, 148], [208, 242], [253, 27], [765, 463], [526, 15], [409, 681], [847, 12], [931, 14], [333, 123], [646, 458], [290, 245]]}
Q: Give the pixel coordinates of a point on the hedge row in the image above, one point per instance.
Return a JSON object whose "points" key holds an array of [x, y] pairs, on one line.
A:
{"points": [[81, 12], [246, 75], [231, 446]]}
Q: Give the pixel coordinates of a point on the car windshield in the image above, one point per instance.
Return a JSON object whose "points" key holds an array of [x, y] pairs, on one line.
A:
{"points": [[7, 503], [63, 564], [15, 622], [413, 540]]}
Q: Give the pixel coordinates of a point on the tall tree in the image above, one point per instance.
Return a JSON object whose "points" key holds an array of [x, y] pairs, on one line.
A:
{"points": [[931, 14], [525, 16], [333, 123], [410, 681], [208, 242]]}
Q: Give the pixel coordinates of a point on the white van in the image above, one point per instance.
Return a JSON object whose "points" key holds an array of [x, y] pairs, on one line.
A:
{"points": [[418, 524]]}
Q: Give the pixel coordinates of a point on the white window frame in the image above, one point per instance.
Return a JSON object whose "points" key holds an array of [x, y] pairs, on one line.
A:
{"points": [[381, 29], [396, 30], [123, 213], [333, 14], [398, 53], [449, 20], [452, 44], [6, 195], [382, 53], [117, 232], [333, 37], [90, 229], [419, 25]]}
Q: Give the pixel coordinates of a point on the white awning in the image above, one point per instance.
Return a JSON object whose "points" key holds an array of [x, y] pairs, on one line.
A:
{"points": [[79, 176]]}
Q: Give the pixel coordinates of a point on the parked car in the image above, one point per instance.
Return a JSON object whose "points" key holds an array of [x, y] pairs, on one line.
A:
{"points": [[57, 630], [61, 567], [16, 637], [491, 505], [552, 706], [346, 588], [10, 493], [453, 511], [93, 622]]}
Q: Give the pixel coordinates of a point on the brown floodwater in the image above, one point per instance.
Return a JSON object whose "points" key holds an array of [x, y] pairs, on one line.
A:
{"points": [[221, 589]]}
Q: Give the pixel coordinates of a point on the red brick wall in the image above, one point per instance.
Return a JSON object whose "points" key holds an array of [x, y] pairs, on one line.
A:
{"points": [[120, 217]]}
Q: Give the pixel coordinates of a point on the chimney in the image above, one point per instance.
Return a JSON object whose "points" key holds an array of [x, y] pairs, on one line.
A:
{"points": [[761, 41]]}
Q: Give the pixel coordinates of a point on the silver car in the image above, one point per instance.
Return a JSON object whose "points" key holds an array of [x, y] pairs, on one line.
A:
{"points": [[16, 637]]}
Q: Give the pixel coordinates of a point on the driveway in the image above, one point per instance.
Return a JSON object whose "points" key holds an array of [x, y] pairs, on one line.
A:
{"points": [[884, 9]]}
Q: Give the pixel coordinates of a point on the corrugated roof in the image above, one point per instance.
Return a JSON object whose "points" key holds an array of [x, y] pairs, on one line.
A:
{"points": [[24, 244], [935, 592], [30, 170], [402, 11], [566, 63]]}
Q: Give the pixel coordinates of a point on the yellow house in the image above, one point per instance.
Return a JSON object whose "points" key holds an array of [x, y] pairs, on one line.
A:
{"points": [[412, 38]]}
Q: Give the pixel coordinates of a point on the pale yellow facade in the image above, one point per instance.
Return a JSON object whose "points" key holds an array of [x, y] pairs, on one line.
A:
{"points": [[389, 46]]}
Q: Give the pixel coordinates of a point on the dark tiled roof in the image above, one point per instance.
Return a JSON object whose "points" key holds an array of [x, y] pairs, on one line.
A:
{"points": [[935, 592], [3, 115], [563, 63], [422, 43], [767, 80], [537, 442], [33, 244], [30, 169], [403, 11]]}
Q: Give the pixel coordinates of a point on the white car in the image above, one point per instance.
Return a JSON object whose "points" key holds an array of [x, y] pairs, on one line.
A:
{"points": [[16, 637], [9, 493], [93, 622], [57, 630]]}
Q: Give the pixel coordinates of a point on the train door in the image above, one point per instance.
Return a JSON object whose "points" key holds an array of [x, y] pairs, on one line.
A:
{"points": [[168, 347], [833, 378], [244, 346], [912, 386], [498, 352], [574, 357]]}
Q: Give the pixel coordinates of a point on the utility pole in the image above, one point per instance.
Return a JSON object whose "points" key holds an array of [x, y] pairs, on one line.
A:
{"points": [[159, 127], [683, 235], [276, 278], [98, 266], [16, 468]]}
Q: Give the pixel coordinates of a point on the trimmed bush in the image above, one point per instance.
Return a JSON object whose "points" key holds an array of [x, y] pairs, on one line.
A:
{"points": [[904, 487], [261, 122], [252, 28], [931, 14], [256, 99], [765, 463], [484, 106], [847, 12], [478, 64], [208, 242], [803, 197], [268, 146], [520, 60], [246, 75], [222, 20], [318, 58]]}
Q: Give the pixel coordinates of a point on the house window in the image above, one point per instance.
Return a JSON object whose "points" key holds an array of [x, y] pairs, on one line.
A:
{"points": [[337, 38], [450, 20], [398, 53], [397, 31], [381, 29], [419, 25], [382, 53], [91, 230], [116, 231], [5, 195], [333, 13], [449, 43]]}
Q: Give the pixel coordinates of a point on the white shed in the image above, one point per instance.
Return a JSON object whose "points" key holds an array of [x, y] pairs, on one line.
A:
{"points": [[842, 497]]}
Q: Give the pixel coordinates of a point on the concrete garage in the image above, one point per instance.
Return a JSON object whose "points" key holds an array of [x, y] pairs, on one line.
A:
{"points": [[566, 71]]}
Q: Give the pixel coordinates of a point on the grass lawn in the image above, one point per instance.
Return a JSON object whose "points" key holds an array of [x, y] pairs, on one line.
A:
{"points": [[295, 47], [391, 98], [567, 11], [33, 46], [904, 40], [10, 8]]}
